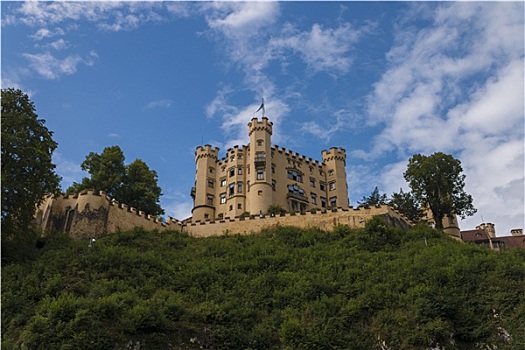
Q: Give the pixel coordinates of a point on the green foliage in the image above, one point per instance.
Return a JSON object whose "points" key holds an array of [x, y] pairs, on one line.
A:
{"points": [[437, 180], [133, 184], [276, 209], [285, 288], [407, 204], [27, 170], [374, 199]]}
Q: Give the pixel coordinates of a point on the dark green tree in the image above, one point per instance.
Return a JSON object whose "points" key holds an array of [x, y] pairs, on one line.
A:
{"points": [[134, 184], [27, 169], [406, 203], [375, 198], [140, 188], [438, 181], [107, 172]]}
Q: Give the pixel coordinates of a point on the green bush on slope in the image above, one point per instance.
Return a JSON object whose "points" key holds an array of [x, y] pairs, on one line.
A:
{"points": [[286, 288]]}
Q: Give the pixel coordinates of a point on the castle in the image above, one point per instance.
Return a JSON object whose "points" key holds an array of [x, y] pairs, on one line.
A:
{"points": [[251, 178], [231, 195]]}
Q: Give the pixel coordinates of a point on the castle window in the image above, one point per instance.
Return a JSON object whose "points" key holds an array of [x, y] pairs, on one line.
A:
{"points": [[321, 172], [239, 156], [295, 175], [333, 202], [223, 182], [231, 207], [312, 183], [330, 172], [259, 193], [311, 168], [211, 183], [273, 185], [239, 187], [223, 198], [248, 186], [260, 142], [314, 198], [239, 206], [211, 170], [206, 216], [209, 199], [260, 174], [323, 202], [221, 216], [322, 186], [239, 171], [232, 172], [273, 168], [331, 186], [232, 158], [231, 191]]}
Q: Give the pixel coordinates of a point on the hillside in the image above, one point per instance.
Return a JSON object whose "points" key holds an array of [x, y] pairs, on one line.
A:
{"points": [[376, 288]]}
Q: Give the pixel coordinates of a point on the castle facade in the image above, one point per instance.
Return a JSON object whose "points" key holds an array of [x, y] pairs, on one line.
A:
{"points": [[251, 178]]}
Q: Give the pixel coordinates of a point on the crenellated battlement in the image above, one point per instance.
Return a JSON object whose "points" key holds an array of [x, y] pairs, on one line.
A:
{"points": [[93, 213], [325, 219], [260, 125], [206, 151], [337, 153]]}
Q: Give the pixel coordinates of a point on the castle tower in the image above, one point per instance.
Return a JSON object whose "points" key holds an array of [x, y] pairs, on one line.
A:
{"points": [[336, 186], [489, 228], [260, 177], [203, 193]]}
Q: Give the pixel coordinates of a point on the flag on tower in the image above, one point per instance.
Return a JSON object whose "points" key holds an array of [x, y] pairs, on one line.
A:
{"points": [[261, 107]]}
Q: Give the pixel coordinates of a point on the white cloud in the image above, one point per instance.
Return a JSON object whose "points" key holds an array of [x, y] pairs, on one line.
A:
{"points": [[457, 86], [51, 67], [163, 103]]}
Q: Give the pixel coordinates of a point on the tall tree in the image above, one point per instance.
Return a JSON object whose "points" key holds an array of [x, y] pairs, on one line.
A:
{"points": [[27, 169], [406, 203], [134, 184], [140, 188], [375, 198], [438, 181]]}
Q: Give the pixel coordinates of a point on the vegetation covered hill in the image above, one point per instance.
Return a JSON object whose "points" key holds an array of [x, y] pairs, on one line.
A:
{"points": [[288, 288]]}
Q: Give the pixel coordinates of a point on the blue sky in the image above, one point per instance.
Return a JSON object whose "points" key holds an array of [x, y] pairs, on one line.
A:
{"points": [[384, 80]]}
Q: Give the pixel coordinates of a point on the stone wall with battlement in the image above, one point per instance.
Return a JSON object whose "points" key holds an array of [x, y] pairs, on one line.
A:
{"points": [[91, 214], [94, 214], [322, 219]]}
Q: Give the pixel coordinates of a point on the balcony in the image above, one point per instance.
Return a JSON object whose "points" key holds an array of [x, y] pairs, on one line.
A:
{"points": [[297, 196], [260, 161]]}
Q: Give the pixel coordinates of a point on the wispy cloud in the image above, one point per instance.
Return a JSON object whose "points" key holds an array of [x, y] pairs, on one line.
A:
{"points": [[113, 135], [458, 88], [50, 67], [163, 103]]}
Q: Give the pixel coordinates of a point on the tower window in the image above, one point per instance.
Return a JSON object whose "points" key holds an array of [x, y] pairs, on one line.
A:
{"points": [[259, 193], [330, 172], [239, 187], [239, 171], [295, 175], [333, 202], [312, 183], [231, 207], [273, 168], [273, 185], [231, 191], [239, 206], [209, 199], [331, 186], [232, 172], [206, 216], [323, 202], [211, 170], [260, 142], [223, 198], [260, 174], [223, 182], [322, 186], [314, 198], [211, 183]]}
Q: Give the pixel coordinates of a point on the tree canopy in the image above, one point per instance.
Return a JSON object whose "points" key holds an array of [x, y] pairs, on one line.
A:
{"points": [[133, 184], [406, 203], [27, 168], [438, 182], [375, 198]]}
